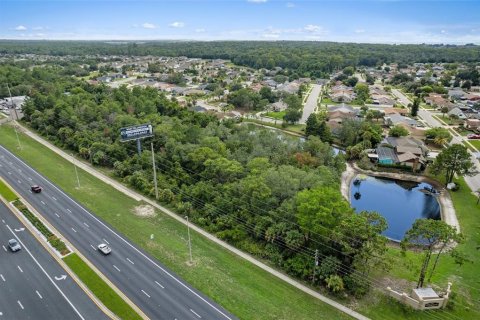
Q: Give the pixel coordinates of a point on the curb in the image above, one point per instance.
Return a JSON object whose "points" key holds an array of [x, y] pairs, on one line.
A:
{"points": [[84, 287]]}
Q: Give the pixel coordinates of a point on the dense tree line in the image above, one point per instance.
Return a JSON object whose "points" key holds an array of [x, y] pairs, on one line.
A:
{"points": [[272, 195], [305, 58]]}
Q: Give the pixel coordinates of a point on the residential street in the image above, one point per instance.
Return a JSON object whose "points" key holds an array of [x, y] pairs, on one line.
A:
{"points": [[311, 103], [473, 181]]}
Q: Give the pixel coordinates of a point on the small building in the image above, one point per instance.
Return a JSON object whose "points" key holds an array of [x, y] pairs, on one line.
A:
{"points": [[472, 124], [457, 113]]}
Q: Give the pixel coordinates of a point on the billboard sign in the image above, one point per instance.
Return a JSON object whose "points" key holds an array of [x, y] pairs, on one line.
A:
{"points": [[136, 132]]}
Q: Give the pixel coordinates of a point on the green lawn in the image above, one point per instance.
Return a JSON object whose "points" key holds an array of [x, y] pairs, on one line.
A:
{"points": [[476, 143], [295, 128], [6, 192], [100, 289], [240, 287], [276, 115]]}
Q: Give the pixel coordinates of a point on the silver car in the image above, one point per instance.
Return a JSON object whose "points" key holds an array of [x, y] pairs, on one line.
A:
{"points": [[104, 248], [14, 245]]}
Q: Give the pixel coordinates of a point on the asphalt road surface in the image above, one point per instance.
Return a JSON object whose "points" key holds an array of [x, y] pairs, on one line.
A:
{"points": [[311, 102], [157, 291], [28, 287]]}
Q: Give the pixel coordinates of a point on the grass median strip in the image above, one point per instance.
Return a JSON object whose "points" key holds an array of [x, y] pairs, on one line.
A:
{"points": [[7, 193], [237, 285], [100, 289]]}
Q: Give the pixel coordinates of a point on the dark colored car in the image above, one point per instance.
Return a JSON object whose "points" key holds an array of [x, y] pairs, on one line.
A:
{"points": [[36, 189]]}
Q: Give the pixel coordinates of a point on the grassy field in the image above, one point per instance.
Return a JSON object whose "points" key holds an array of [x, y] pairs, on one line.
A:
{"points": [[100, 289], [276, 115], [295, 128], [6, 192], [476, 143], [243, 289]]}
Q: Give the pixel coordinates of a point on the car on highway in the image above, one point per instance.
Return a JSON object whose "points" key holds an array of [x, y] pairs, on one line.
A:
{"points": [[14, 245], [36, 188], [104, 248]]}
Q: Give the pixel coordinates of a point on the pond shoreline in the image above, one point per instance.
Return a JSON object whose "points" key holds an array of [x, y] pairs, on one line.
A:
{"points": [[447, 211]]}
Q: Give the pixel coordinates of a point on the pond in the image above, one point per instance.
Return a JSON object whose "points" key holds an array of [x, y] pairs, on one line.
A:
{"points": [[400, 202]]}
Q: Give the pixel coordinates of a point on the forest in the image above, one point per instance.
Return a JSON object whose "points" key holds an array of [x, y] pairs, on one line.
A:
{"points": [[307, 58], [272, 195]]}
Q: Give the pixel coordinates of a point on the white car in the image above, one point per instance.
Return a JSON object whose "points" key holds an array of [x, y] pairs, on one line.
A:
{"points": [[14, 245], [104, 248]]}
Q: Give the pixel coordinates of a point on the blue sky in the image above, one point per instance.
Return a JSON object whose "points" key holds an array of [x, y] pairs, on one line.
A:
{"points": [[385, 21]]}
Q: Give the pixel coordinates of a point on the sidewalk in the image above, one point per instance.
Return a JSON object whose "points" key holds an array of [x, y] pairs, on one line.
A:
{"points": [[139, 197]]}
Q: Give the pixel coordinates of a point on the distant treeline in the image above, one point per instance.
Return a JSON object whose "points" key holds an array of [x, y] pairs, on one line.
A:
{"points": [[315, 59]]}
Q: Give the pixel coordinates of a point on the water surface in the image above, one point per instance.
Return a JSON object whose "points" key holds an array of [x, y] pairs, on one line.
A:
{"points": [[400, 202]]}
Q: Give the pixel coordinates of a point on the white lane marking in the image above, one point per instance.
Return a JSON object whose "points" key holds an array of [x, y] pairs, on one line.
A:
{"points": [[57, 215], [42, 202], [146, 294], [9, 172], [159, 285], [1, 276], [30, 191], [74, 230], [62, 277], [19, 181], [54, 198], [39, 295], [69, 210], [3, 221], [130, 261], [106, 241], [20, 304], [86, 225], [93, 247], [45, 272], [119, 236], [4, 248], [195, 313], [116, 268], [20, 269], [29, 178]]}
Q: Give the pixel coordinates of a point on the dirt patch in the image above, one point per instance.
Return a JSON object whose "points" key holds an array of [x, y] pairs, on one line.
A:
{"points": [[144, 211]]}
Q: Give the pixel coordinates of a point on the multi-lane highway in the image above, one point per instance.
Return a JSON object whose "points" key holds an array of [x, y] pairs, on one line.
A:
{"points": [[32, 284], [157, 291]]}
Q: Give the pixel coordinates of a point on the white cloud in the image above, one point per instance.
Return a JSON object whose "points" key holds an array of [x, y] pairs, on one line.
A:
{"points": [[290, 5], [359, 31], [257, 1], [20, 28], [271, 35], [200, 30], [443, 32], [313, 28], [147, 25], [177, 24], [38, 28]]}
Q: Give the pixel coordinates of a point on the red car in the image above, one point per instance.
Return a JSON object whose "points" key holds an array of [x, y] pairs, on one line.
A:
{"points": [[36, 189]]}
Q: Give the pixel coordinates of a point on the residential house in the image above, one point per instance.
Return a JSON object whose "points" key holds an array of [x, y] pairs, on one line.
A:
{"points": [[457, 113], [404, 151], [397, 119], [472, 124], [279, 106], [456, 94]]}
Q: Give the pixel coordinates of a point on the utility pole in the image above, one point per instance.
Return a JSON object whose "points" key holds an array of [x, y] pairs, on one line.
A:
{"points": [[154, 172], [189, 240], [315, 266], [16, 117], [11, 102], [76, 172], [16, 133]]}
